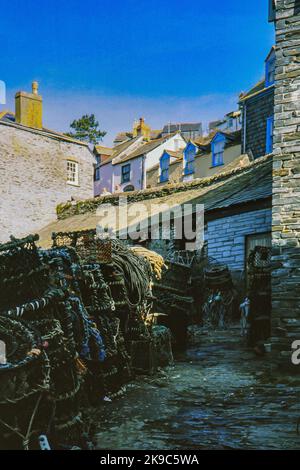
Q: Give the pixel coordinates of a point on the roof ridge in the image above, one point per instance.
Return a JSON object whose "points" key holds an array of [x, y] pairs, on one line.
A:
{"points": [[92, 204]]}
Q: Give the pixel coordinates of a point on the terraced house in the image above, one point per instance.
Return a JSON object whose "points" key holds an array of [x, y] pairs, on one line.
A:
{"points": [[125, 169], [201, 157]]}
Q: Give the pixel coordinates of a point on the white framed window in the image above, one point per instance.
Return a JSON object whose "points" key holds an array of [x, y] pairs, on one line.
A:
{"points": [[217, 148], [72, 172]]}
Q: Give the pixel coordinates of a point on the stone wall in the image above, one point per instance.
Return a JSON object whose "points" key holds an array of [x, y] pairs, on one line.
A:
{"points": [[257, 110], [226, 238], [286, 178], [33, 178]]}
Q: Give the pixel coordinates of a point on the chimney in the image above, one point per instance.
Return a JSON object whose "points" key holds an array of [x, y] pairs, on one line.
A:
{"points": [[29, 108]]}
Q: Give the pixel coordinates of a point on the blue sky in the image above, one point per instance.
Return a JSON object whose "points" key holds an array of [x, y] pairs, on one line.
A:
{"points": [[166, 60]]}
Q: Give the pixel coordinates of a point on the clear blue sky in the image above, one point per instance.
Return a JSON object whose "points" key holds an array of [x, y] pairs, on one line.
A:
{"points": [[170, 58]]}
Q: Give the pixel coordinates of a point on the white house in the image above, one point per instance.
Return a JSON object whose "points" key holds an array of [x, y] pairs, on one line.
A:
{"points": [[126, 170]]}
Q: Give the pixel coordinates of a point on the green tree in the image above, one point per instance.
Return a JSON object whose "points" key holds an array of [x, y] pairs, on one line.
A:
{"points": [[86, 129]]}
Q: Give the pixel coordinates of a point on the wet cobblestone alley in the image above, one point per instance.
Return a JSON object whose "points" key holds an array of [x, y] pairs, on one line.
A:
{"points": [[216, 396]]}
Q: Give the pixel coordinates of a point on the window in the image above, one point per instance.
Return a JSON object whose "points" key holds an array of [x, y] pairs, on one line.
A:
{"points": [[97, 174], [270, 69], [217, 148], [72, 172], [164, 168], [189, 155], [269, 137], [251, 241], [125, 178]]}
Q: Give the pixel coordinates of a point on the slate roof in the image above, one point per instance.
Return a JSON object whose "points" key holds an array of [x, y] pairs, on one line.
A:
{"points": [[258, 88], [8, 118], [101, 150], [120, 148], [146, 148], [251, 183], [204, 144], [184, 127]]}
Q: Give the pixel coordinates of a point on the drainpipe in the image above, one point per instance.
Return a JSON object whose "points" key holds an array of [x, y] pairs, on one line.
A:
{"points": [[143, 170]]}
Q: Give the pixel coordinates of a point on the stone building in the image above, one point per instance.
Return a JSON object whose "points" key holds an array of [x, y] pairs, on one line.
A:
{"points": [[257, 107], [286, 176], [39, 168], [237, 217]]}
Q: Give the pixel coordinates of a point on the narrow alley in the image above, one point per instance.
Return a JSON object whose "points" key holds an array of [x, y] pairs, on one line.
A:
{"points": [[218, 395]]}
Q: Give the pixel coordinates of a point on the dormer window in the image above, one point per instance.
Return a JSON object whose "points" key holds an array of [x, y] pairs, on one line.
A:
{"points": [[189, 159], [270, 68], [164, 167], [217, 149]]}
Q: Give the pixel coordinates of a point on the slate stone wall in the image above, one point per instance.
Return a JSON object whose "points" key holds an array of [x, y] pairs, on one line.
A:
{"points": [[227, 236], [286, 180], [256, 111]]}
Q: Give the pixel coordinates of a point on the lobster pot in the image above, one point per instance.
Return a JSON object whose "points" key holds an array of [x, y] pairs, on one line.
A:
{"points": [[142, 356], [218, 277], [51, 334], [68, 426], [19, 383], [177, 276]]}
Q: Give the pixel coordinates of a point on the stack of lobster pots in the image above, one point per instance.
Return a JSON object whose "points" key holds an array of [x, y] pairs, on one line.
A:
{"points": [[72, 321]]}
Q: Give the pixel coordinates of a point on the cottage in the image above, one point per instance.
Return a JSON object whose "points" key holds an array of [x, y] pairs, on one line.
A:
{"points": [[46, 166], [257, 107], [200, 158], [126, 169]]}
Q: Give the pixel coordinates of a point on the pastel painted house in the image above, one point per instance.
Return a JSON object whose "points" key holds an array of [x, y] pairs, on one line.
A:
{"points": [[127, 170], [199, 159]]}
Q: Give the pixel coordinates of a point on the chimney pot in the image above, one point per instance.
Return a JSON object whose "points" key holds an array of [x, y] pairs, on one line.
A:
{"points": [[35, 87]]}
